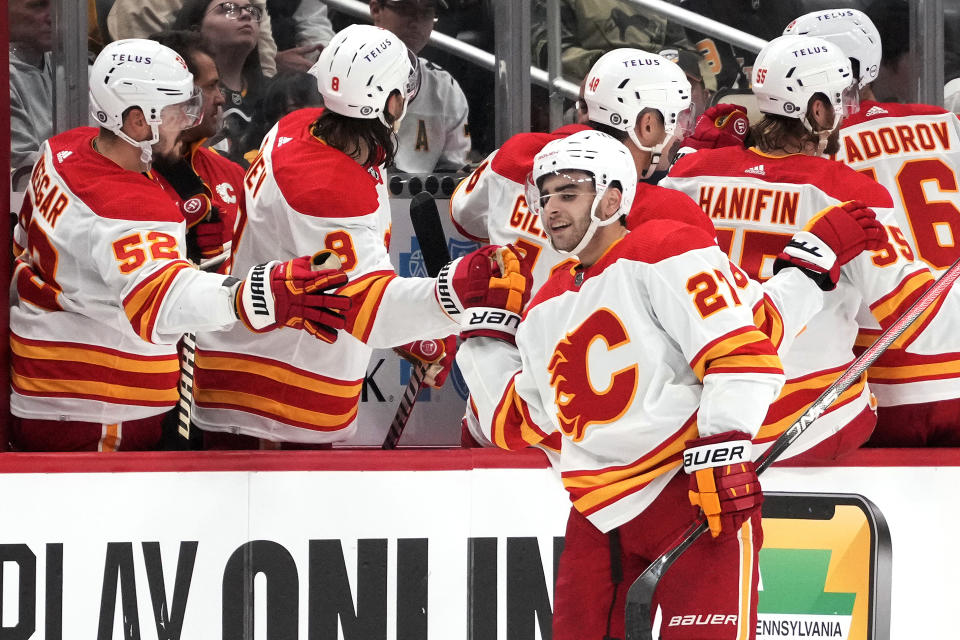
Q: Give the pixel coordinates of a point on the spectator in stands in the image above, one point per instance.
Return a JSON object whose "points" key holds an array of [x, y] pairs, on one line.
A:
{"points": [[31, 85], [231, 29], [434, 135], [141, 19], [301, 30], [285, 92], [590, 28]]}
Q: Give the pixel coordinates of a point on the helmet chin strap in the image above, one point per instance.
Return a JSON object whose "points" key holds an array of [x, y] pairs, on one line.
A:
{"points": [[146, 146], [823, 135], [655, 151]]}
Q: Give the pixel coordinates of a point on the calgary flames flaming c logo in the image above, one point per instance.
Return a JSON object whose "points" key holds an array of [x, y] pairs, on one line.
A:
{"points": [[579, 403]]}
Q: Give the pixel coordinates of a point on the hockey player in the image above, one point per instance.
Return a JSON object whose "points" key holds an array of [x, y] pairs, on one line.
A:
{"points": [[318, 182], [434, 134], [207, 187], [101, 289], [641, 99], [759, 197], [681, 375], [914, 151]]}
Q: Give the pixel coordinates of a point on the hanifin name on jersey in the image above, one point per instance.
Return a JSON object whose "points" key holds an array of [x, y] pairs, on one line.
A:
{"points": [[775, 206]]}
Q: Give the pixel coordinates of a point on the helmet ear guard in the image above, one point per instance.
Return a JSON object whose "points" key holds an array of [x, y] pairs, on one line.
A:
{"points": [[604, 159]]}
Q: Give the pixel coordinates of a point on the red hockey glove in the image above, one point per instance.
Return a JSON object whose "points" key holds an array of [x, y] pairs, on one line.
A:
{"points": [[722, 125], [293, 294], [723, 480], [437, 355], [834, 237], [213, 237], [486, 291]]}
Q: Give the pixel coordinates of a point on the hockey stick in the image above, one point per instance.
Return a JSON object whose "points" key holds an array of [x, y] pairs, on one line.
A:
{"points": [[433, 247], [639, 621], [188, 185]]}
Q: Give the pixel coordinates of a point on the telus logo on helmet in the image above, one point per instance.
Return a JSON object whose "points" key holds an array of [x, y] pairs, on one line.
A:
{"points": [[833, 14], [377, 50], [641, 62], [810, 51], [123, 57]]}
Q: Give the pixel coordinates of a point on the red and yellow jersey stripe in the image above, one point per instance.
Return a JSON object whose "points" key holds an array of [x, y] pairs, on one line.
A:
{"points": [[767, 317], [365, 294], [592, 490], [511, 425], [142, 305], [745, 350], [797, 396], [890, 307], [72, 370], [275, 390]]}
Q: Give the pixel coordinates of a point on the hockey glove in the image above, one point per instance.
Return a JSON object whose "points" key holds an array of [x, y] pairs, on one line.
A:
{"points": [[486, 291], [834, 237], [723, 480], [214, 239], [437, 355], [722, 125], [294, 294]]}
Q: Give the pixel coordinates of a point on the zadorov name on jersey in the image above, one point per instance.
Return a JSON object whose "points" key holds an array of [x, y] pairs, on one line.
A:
{"points": [[799, 629]]}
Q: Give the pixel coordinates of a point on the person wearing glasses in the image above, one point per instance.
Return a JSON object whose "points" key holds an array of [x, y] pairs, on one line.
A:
{"points": [[103, 292], [232, 30], [143, 18], [434, 135]]}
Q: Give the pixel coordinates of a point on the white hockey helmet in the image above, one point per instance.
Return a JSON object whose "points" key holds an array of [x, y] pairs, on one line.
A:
{"points": [[605, 159], [624, 82], [849, 29], [145, 74], [359, 69], [792, 69]]}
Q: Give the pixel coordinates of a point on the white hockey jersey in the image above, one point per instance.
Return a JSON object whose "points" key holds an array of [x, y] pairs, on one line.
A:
{"points": [[434, 134], [303, 196], [914, 151], [101, 294], [757, 202], [627, 360]]}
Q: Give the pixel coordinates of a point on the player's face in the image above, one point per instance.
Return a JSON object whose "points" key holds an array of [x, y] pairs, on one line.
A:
{"points": [[565, 200], [207, 79]]}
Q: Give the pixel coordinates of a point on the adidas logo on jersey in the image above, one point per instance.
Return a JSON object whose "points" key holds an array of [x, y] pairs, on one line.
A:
{"points": [[757, 170], [63, 155], [875, 111], [282, 140]]}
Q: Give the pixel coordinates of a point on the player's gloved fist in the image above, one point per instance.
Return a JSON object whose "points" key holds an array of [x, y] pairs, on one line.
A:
{"points": [[213, 237], [723, 480], [294, 294], [722, 125], [486, 291], [834, 237], [436, 355]]}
